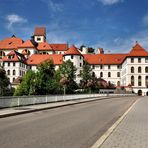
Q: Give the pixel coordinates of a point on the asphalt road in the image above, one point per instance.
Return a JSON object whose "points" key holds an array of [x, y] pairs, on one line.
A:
{"points": [[75, 126]]}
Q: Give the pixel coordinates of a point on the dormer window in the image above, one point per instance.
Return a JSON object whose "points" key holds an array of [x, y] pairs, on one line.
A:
{"points": [[10, 56], [38, 39], [10, 43]]}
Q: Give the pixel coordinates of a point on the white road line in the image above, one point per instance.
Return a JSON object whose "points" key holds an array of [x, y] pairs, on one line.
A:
{"points": [[100, 141]]}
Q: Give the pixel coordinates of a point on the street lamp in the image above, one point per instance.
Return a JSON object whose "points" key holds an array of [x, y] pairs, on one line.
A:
{"points": [[64, 81]]}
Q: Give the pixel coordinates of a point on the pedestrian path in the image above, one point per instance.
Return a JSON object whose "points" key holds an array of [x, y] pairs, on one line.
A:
{"points": [[132, 132], [33, 108]]}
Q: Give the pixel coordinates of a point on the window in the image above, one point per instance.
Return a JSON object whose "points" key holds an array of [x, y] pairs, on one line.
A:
{"points": [[109, 74], [132, 80], [2, 54], [132, 60], [118, 66], [38, 39], [146, 69], [101, 66], [71, 56], [80, 57], [13, 64], [93, 74], [8, 72], [118, 74], [118, 83], [13, 72], [139, 69], [139, 60], [93, 66], [10, 56], [146, 60], [13, 79], [146, 81], [80, 64], [8, 64], [101, 74], [132, 70], [139, 81], [20, 72], [108, 66]]}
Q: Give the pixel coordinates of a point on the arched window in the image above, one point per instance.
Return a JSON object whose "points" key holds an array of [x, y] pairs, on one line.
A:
{"points": [[13, 72], [132, 70], [13, 79], [139, 80], [118, 83], [93, 74], [118, 74], [146, 69], [101, 74], [132, 80], [8, 72], [146, 81], [139, 69], [109, 74]]}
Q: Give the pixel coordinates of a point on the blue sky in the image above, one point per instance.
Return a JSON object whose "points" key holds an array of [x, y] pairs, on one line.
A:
{"points": [[114, 25]]}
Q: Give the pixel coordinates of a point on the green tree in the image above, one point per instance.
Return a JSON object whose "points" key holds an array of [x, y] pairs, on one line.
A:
{"points": [[27, 86], [44, 81], [68, 70], [4, 82], [86, 74]]}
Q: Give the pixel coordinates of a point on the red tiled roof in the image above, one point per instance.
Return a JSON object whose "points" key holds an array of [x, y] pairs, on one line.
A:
{"points": [[40, 31], [72, 51], [10, 43], [104, 58], [27, 44], [17, 81], [44, 46], [138, 50], [16, 57], [24, 52], [59, 47], [36, 59]]}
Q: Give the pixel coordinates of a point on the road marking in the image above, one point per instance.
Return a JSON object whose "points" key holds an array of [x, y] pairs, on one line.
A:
{"points": [[101, 140]]}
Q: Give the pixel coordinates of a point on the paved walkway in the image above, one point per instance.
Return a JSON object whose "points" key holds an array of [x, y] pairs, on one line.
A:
{"points": [[33, 108], [132, 132]]}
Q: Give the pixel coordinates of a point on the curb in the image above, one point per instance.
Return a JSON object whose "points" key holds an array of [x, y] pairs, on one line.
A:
{"points": [[102, 139], [52, 107], [46, 108]]}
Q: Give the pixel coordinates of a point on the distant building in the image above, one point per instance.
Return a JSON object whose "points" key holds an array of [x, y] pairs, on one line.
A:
{"points": [[129, 69]]}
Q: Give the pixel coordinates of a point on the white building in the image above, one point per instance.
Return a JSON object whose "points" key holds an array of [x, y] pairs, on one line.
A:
{"points": [[18, 56]]}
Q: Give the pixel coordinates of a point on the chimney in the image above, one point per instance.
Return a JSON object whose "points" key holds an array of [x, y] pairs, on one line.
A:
{"points": [[100, 51]]}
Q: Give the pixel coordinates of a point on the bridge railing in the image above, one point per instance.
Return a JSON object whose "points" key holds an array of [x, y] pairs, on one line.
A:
{"points": [[10, 101]]}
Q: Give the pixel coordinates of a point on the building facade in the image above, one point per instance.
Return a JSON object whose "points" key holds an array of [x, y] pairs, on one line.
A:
{"points": [[18, 56]]}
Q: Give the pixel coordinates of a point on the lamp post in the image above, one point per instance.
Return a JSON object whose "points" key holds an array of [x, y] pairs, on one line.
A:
{"points": [[64, 81]]}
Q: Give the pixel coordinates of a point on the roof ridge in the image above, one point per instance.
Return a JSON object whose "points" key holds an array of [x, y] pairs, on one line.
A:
{"points": [[73, 50]]}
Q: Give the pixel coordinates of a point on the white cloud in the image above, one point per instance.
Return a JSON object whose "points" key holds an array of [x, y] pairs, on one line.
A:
{"points": [[14, 19], [52, 6], [110, 2], [145, 19]]}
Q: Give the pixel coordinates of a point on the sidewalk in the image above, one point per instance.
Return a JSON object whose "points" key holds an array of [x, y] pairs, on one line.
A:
{"points": [[132, 132], [33, 108]]}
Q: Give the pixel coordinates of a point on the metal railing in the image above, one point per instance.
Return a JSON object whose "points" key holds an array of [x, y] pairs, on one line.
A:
{"points": [[11, 101]]}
